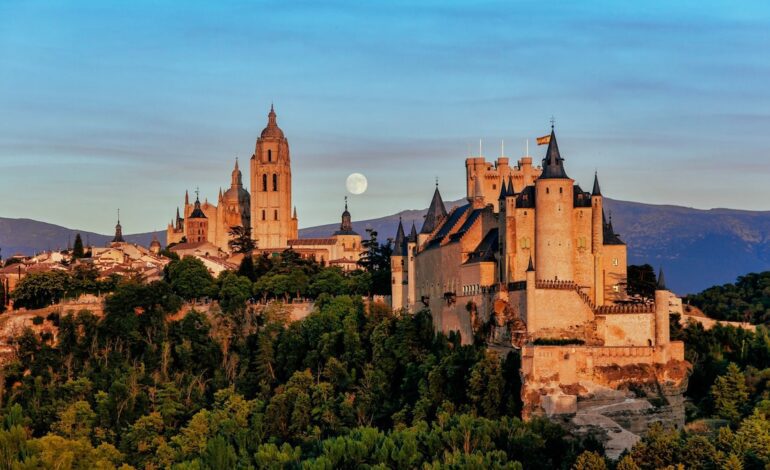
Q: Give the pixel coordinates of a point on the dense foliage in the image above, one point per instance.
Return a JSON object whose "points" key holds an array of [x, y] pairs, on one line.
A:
{"points": [[346, 387], [353, 385], [748, 299], [40, 289]]}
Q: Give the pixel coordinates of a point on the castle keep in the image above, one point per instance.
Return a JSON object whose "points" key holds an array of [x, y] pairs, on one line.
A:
{"points": [[531, 262]]}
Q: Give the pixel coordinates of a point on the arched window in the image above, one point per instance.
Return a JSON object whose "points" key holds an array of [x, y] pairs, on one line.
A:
{"points": [[275, 182], [275, 215], [263, 214], [270, 155], [264, 182]]}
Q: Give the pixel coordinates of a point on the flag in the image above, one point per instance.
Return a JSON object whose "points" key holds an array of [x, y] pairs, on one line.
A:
{"points": [[545, 140]]}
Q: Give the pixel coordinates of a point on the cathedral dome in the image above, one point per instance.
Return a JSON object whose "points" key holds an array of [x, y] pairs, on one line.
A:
{"points": [[272, 130]]}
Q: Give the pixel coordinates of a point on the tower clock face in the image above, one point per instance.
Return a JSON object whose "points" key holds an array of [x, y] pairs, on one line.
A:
{"points": [[356, 183]]}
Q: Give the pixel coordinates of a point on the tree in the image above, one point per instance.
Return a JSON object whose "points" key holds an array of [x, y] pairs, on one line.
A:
{"points": [[485, 388], [240, 240], [590, 461], [234, 293], [729, 394], [189, 278], [38, 290], [375, 259], [77, 249], [641, 281]]}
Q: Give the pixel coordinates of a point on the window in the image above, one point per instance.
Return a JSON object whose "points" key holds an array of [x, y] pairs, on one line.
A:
{"points": [[547, 190], [614, 261], [275, 182], [263, 214], [275, 215], [581, 242], [264, 182], [560, 190], [270, 155], [525, 242]]}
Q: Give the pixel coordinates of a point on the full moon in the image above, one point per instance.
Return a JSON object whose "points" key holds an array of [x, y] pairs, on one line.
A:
{"points": [[356, 183]]}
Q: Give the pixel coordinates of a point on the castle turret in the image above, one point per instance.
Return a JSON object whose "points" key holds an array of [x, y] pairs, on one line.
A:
{"points": [[597, 240], [553, 217], [662, 296], [398, 268]]}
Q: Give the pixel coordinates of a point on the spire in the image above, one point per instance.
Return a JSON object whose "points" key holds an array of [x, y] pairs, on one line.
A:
{"points": [[220, 195], [399, 244], [436, 212], [118, 231], [553, 164], [236, 179], [596, 191], [503, 191], [295, 213], [530, 267], [511, 191], [413, 234], [272, 129], [346, 227], [197, 213], [661, 280], [186, 198]]}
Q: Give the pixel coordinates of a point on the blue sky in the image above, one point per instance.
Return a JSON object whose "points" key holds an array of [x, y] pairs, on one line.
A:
{"points": [[127, 104]]}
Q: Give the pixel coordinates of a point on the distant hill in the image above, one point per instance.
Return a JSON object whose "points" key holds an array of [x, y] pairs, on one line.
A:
{"points": [[29, 236], [697, 248]]}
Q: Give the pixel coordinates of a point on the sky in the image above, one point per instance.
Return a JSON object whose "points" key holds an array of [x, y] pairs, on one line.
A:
{"points": [[107, 105]]}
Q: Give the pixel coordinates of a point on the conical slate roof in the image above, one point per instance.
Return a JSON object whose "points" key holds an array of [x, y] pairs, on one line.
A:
{"points": [[503, 191], [553, 164], [413, 234], [596, 191], [197, 213], [399, 244], [436, 212], [661, 280]]}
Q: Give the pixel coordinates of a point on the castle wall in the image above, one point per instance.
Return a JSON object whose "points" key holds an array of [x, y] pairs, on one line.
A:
{"points": [[582, 256], [494, 174], [626, 329], [525, 243], [556, 312], [614, 271]]}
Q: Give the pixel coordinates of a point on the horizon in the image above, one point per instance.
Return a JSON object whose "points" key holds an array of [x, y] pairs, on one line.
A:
{"points": [[111, 107]]}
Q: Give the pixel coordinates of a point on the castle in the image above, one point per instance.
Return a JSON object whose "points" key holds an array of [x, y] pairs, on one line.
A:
{"points": [[267, 211], [531, 262]]}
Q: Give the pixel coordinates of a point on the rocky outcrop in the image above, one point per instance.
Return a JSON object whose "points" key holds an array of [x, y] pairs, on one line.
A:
{"points": [[614, 403]]}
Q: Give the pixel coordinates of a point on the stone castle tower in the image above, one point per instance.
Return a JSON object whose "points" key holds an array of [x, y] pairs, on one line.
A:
{"points": [[273, 223]]}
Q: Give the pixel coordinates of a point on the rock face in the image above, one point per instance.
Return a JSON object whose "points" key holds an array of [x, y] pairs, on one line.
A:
{"points": [[615, 404]]}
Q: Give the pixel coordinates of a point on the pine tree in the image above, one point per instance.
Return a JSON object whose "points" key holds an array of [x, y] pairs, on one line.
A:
{"points": [[730, 394], [77, 250]]}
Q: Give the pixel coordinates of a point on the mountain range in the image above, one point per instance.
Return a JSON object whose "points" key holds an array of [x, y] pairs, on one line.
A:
{"points": [[697, 248]]}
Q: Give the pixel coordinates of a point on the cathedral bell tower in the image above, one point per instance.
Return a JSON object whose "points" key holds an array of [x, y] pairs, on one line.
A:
{"points": [[271, 218]]}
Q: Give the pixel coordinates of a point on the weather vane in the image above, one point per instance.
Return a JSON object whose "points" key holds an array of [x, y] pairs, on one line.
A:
{"points": [[552, 121]]}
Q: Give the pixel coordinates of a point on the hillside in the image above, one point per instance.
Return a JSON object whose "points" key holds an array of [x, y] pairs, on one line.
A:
{"points": [[29, 236], [697, 248]]}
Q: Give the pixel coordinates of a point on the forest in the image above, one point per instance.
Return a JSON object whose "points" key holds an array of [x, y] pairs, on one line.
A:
{"points": [[353, 385]]}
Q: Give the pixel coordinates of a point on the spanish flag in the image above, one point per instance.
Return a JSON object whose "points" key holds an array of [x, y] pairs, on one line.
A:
{"points": [[545, 140]]}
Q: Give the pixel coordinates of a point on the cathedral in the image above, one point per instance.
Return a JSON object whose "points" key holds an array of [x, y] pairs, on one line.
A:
{"points": [[267, 210], [531, 262]]}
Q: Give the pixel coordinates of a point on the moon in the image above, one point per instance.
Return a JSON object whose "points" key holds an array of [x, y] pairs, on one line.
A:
{"points": [[356, 183]]}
